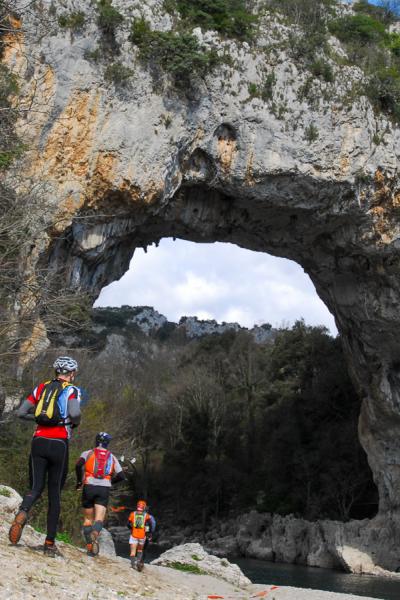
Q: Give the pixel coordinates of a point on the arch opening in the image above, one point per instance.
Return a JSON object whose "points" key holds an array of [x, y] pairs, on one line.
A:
{"points": [[99, 244], [319, 225], [218, 281]]}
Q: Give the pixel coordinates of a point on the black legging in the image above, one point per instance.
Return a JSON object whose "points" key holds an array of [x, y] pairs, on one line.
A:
{"points": [[49, 456]]}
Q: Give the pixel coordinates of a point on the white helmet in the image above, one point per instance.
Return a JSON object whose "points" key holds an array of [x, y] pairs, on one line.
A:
{"points": [[65, 364]]}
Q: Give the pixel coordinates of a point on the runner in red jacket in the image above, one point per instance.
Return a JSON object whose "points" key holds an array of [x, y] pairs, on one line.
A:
{"points": [[55, 406]]}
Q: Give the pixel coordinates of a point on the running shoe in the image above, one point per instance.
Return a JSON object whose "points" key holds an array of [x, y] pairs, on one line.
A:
{"points": [[95, 543], [89, 549], [15, 532], [140, 566], [50, 549]]}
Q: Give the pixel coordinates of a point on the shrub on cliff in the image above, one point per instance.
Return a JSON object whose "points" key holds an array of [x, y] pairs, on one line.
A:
{"points": [[108, 17], [364, 33], [231, 18], [178, 54], [358, 29], [10, 146], [376, 50], [386, 11], [73, 20], [117, 73], [306, 13]]}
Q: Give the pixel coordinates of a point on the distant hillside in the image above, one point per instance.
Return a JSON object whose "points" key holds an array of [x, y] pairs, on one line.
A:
{"points": [[147, 320]]}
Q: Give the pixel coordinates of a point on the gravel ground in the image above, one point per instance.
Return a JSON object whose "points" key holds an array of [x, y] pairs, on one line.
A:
{"points": [[26, 574]]}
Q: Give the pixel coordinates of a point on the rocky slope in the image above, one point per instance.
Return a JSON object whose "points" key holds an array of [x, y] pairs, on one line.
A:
{"points": [[74, 575], [121, 167]]}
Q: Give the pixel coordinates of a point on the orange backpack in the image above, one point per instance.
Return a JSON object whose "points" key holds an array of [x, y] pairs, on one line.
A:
{"points": [[99, 464]]}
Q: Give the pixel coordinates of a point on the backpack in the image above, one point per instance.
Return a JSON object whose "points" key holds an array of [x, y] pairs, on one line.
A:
{"points": [[99, 464], [139, 524], [48, 410]]}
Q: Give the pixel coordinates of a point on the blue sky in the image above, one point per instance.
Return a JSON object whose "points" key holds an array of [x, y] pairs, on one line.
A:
{"points": [[218, 281]]}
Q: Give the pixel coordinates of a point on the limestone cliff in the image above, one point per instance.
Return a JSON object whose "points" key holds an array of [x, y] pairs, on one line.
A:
{"points": [[122, 166]]}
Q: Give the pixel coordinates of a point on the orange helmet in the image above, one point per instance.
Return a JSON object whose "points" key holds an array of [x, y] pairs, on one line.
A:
{"points": [[141, 505]]}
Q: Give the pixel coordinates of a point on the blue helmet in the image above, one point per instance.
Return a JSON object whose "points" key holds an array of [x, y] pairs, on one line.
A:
{"points": [[103, 439]]}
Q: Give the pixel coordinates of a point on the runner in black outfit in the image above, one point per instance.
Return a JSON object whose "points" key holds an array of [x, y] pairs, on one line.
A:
{"points": [[49, 450]]}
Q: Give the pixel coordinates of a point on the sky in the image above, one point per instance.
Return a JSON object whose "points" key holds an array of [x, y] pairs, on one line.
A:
{"points": [[218, 281]]}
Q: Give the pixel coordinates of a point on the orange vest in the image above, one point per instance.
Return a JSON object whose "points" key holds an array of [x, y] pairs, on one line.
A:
{"points": [[138, 520]]}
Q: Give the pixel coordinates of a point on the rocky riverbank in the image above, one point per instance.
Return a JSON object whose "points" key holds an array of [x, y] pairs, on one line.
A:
{"points": [[28, 574], [351, 547]]}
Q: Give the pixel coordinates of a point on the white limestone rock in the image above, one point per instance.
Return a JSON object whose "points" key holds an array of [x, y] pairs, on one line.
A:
{"points": [[107, 547], [9, 502], [195, 327], [195, 556], [148, 319]]}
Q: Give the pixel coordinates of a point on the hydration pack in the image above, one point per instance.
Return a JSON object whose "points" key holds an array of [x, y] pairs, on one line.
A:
{"points": [[99, 464], [139, 526], [48, 410]]}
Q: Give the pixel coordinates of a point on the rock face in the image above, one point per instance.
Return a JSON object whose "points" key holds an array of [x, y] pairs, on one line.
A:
{"points": [[107, 547], [122, 167], [150, 321], [349, 546], [195, 557]]}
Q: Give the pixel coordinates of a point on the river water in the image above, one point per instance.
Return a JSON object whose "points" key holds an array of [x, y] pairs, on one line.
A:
{"points": [[259, 571]]}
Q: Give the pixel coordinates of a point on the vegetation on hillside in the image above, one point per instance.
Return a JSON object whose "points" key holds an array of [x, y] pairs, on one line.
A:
{"points": [[231, 18], [367, 39]]}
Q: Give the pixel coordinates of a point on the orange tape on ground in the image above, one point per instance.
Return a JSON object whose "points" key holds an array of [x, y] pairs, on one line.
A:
{"points": [[264, 593], [214, 597]]}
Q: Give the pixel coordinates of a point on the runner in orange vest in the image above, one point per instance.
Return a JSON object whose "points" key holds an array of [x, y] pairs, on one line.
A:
{"points": [[142, 526], [96, 470]]}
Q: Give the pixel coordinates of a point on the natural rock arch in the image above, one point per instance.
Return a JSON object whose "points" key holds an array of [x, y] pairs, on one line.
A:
{"points": [[123, 168], [282, 215]]}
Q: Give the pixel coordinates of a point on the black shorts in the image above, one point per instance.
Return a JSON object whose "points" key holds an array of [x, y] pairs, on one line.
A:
{"points": [[95, 494]]}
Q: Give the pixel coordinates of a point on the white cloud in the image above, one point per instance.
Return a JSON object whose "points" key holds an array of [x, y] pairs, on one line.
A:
{"points": [[219, 281], [204, 315], [197, 289], [236, 314]]}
